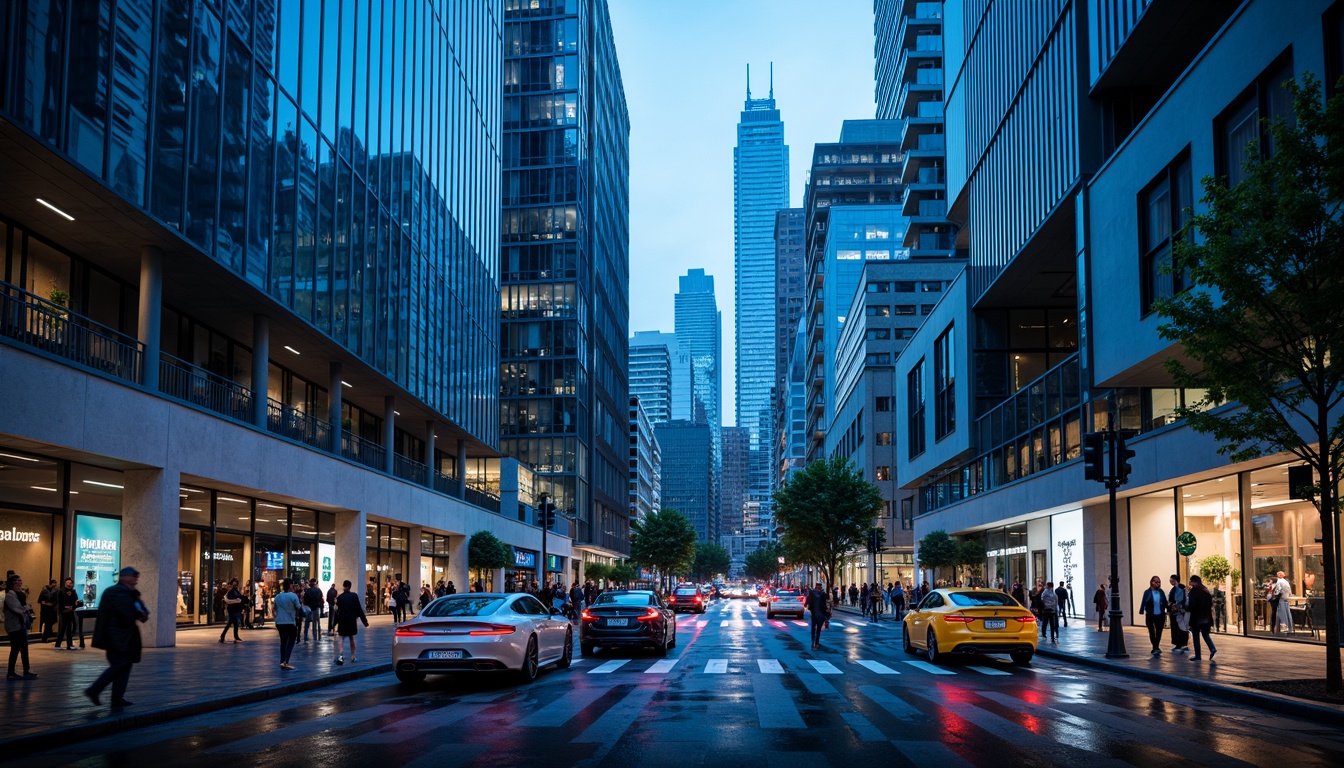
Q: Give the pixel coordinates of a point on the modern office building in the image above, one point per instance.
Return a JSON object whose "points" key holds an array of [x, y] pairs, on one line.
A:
{"points": [[733, 481], [660, 373], [1053, 319], [760, 190], [699, 331], [565, 258], [645, 464], [688, 475], [248, 317], [790, 264], [791, 439]]}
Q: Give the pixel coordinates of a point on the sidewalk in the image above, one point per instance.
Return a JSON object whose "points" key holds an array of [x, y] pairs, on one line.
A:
{"points": [[198, 675], [1241, 660]]}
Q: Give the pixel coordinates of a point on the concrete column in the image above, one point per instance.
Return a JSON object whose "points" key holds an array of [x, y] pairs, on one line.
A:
{"points": [[413, 565], [457, 563], [149, 325], [499, 580], [430, 447], [261, 368], [351, 552], [583, 569], [389, 432], [461, 469], [335, 392], [149, 518]]}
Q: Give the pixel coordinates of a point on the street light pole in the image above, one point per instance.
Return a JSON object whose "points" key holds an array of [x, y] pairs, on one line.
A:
{"points": [[543, 506], [1115, 647]]}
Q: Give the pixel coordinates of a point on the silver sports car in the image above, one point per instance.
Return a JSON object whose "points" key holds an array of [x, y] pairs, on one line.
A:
{"points": [[482, 632]]}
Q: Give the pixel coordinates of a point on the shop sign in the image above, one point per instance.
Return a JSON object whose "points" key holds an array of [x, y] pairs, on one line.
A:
{"points": [[523, 559], [1007, 551], [552, 563], [25, 537], [97, 556], [1066, 545], [275, 561], [1185, 544], [326, 563]]}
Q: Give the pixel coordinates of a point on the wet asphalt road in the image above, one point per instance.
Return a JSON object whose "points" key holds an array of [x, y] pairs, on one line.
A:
{"points": [[738, 690]]}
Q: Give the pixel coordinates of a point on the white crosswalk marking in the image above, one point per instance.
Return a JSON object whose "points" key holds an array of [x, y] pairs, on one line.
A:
{"points": [[837, 623], [990, 671], [801, 623], [927, 667], [609, 667], [716, 666], [661, 667], [881, 669], [824, 667], [701, 624], [776, 623], [755, 622], [770, 666]]}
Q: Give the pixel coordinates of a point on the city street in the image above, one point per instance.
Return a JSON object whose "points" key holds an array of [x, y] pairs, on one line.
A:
{"points": [[739, 689]]}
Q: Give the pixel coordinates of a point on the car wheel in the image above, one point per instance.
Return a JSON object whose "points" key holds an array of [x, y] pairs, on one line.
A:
{"points": [[661, 650], [567, 657], [529, 670], [410, 678], [931, 649], [769, 615], [585, 649], [674, 637], [905, 641], [1021, 658]]}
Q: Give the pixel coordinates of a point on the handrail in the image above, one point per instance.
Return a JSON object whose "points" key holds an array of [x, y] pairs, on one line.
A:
{"points": [[409, 469], [195, 385], [366, 452], [41, 324], [287, 421]]}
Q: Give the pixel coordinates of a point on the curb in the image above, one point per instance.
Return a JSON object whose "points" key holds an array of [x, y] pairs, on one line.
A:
{"points": [[37, 742]]}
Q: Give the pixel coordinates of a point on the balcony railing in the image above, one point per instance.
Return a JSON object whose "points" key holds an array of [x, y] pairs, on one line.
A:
{"points": [[197, 386], [288, 421], [409, 469], [366, 452], [481, 498], [35, 322], [445, 483]]}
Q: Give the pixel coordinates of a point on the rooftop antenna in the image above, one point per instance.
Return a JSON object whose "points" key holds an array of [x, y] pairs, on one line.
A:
{"points": [[748, 82], [772, 79]]}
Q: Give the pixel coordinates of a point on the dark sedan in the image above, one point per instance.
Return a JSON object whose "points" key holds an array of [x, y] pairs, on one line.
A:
{"points": [[687, 598], [628, 619]]}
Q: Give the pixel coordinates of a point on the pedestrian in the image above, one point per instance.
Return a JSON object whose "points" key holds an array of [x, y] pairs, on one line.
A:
{"points": [[1154, 607], [898, 601], [67, 601], [589, 592], [402, 594], [819, 607], [1019, 594], [1200, 601], [46, 601], [312, 620], [1038, 607], [1279, 598], [288, 615], [425, 597], [18, 621], [875, 606], [349, 609], [1050, 611], [1100, 602], [332, 594], [1062, 594], [234, 605], [853, 595], [115, 631], [1180, 620], [863, 600], [260, 598], [575, 598]]}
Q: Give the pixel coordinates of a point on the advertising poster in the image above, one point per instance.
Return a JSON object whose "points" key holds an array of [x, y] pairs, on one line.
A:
{"points": [[1066, 544], [326, 564], [97, 556]]}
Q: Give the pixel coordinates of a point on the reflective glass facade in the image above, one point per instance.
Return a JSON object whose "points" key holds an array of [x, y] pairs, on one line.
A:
{"points": [[699, 329], [565, 259], [341, 156]]}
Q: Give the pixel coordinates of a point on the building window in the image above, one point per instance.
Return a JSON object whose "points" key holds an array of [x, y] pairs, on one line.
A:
{"points": [[883, 404], [1334, 48], [879, 287], [905, 309], [883, 474], [1248, 118], [1163, 211], [882, 438], [907, 513], [878, 311], [945, 381], [915, 391]]}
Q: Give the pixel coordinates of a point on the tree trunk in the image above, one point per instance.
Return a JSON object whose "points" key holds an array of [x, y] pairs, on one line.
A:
{"points": [[1334, 681]]}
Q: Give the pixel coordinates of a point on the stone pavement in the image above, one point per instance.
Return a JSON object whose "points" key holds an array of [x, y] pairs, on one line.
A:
{"points": [[197, 675]]}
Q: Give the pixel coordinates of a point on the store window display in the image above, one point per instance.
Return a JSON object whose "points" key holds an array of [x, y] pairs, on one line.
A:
{"points": [[1211, 513]]}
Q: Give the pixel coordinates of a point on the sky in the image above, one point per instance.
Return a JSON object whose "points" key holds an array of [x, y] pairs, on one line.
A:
{"points": [[684, 65]]}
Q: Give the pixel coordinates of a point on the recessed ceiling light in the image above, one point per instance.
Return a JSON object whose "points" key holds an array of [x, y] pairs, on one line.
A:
{"points": [[291, 349], [57, 210], [20, 458], [396, 413], [42, 488], [189, 490], [190, 509], [105, 485], [269, 506], [230, 498], [347, 384]]}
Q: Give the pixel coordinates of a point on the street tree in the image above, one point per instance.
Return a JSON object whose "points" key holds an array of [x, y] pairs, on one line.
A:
{"points": [[824, 512], [597, 571], [938, 550], [710, 559], [971, 554], [762, 564], [664, 541], [1261, 324], [485, 552], [624, 573]]}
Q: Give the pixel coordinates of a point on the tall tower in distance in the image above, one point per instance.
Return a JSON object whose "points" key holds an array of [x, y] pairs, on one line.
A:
{"points": [[760, 188]]}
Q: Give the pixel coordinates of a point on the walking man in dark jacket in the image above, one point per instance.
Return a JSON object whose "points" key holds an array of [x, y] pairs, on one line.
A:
{"points": [[331, 609], [820, 610], [312, 599], [46, 601], [1062, 595], [116, 632], [1201, 616]]}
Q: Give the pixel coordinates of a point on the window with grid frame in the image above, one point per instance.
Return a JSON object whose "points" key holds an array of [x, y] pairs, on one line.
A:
{"points": [[945, 383], [1163, 211], [915, 392], [1248, 119]]}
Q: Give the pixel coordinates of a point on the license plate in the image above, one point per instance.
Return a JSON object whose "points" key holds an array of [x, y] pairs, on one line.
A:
{"points": [[617, 622], [445, 654], [996, 623]]}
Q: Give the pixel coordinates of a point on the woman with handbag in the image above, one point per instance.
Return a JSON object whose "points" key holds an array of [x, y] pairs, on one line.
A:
{"points": [[18, 620]]}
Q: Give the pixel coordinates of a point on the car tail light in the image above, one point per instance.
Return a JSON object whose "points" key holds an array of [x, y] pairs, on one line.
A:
{"points": [[955, 619], [495, 629], [1027, 619], [586, 616], [697, 598], [408, 632], [774, 599], [649, 615]]}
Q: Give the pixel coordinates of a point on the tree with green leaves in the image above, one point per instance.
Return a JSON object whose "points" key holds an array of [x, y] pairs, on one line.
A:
{"points": [[938, 550], [485, 552], [710, 560], [597, 571], [664, 541], [971, 554], [623, 573], [1261, 323], [763, 563], [824, 512]]}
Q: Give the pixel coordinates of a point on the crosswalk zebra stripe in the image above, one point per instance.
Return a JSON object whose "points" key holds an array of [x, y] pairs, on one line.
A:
{"points": [[800, 623], [824, 667], [873, 666], [609, 667], [777, 624], [927, 667], [701, 624], [716, 666], [835, 623], [755, 622], [770, 666], [661, 667], [889, 701], [990, 671]]}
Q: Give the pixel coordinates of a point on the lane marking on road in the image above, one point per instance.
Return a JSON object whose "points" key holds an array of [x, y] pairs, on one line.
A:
{"points": [[770, 666], [931, 669], [865, 730], [716, 666], [835, 623], [609, 667], [990, 671], [774, 706], [873, 666], [930, 753], [755, 622], [560, 711], [824, 667], [800, 623], [777, 624], [613, 723], [816, 684], [701, 624], [661, 667], [890, 702]]}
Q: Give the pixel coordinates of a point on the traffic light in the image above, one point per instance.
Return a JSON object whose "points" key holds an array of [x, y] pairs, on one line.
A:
{"points": [[1094, 456], [547, 510], [1122, 455]]}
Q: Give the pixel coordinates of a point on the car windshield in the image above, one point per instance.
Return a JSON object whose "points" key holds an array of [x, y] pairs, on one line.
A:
{"points": [[629, 598], [972, 599], [464, 605]]}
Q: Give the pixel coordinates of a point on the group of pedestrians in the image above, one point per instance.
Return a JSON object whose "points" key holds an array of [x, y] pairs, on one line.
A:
{"points": [[1189, 611]]}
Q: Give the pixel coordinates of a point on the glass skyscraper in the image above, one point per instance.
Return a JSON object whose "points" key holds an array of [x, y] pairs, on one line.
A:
{"points": [[699, 328], [565, 259], [760, 188]]}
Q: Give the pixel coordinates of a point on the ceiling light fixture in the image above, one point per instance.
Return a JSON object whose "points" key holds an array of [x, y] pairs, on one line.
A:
{"points": [[105, 485], [235, 501], [20, 458], [291, 349], [67, 216], [189, 509], [42, 488], [345, 383]]}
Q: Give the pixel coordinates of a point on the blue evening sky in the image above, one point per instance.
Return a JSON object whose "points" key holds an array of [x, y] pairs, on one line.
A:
{"points": [[684, 66]]}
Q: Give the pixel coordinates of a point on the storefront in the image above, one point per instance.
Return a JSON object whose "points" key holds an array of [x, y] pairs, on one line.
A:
{"points": [[388, 550], [434, 561], [523, 573], [1047, 549]]}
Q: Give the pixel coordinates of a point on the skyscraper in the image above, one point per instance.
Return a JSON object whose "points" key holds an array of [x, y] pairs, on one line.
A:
{"points": [[687, 475], [790, 260], [699, 328], [565, 257], [760, 188], [660, 375], [733, 481]]}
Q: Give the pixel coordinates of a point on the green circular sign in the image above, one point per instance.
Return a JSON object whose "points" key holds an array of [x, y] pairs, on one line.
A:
{"points": [[1185, 544]]}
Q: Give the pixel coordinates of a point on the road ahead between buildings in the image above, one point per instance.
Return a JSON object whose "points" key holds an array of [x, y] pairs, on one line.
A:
{"points": [[739, 689]]}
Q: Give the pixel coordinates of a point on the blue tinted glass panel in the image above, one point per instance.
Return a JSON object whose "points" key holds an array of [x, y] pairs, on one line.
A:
{"points": [[305, 251], [326, 238], [285, 199], [87, 84], [132, 43], [331, 49], [287, 55], [202, 172], [340, 257], [260, 180], [233, 158], [170, 111], [39, 36], [345, 86], [312, 57]]}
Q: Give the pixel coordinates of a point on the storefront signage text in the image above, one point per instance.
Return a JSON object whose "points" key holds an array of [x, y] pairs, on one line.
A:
{"points": [[14, 534], [97, 556], [1007, 551], [523, 559], [221, 556]]}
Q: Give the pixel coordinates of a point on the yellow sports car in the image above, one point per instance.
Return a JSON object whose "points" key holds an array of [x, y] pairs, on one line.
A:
{"points": [[967, 621]]}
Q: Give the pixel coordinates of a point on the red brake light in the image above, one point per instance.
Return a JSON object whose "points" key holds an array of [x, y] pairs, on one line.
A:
{"points": [[774, 598], [404, 632], [495, 629], [1027, 619], [586, 616], [954, 619], [649, 615], [697, 598]]}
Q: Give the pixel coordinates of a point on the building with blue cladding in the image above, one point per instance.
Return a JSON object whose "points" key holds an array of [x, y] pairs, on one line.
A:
{"points": [[699, 331], [250, 290], [566, 265], [687, 476]]}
